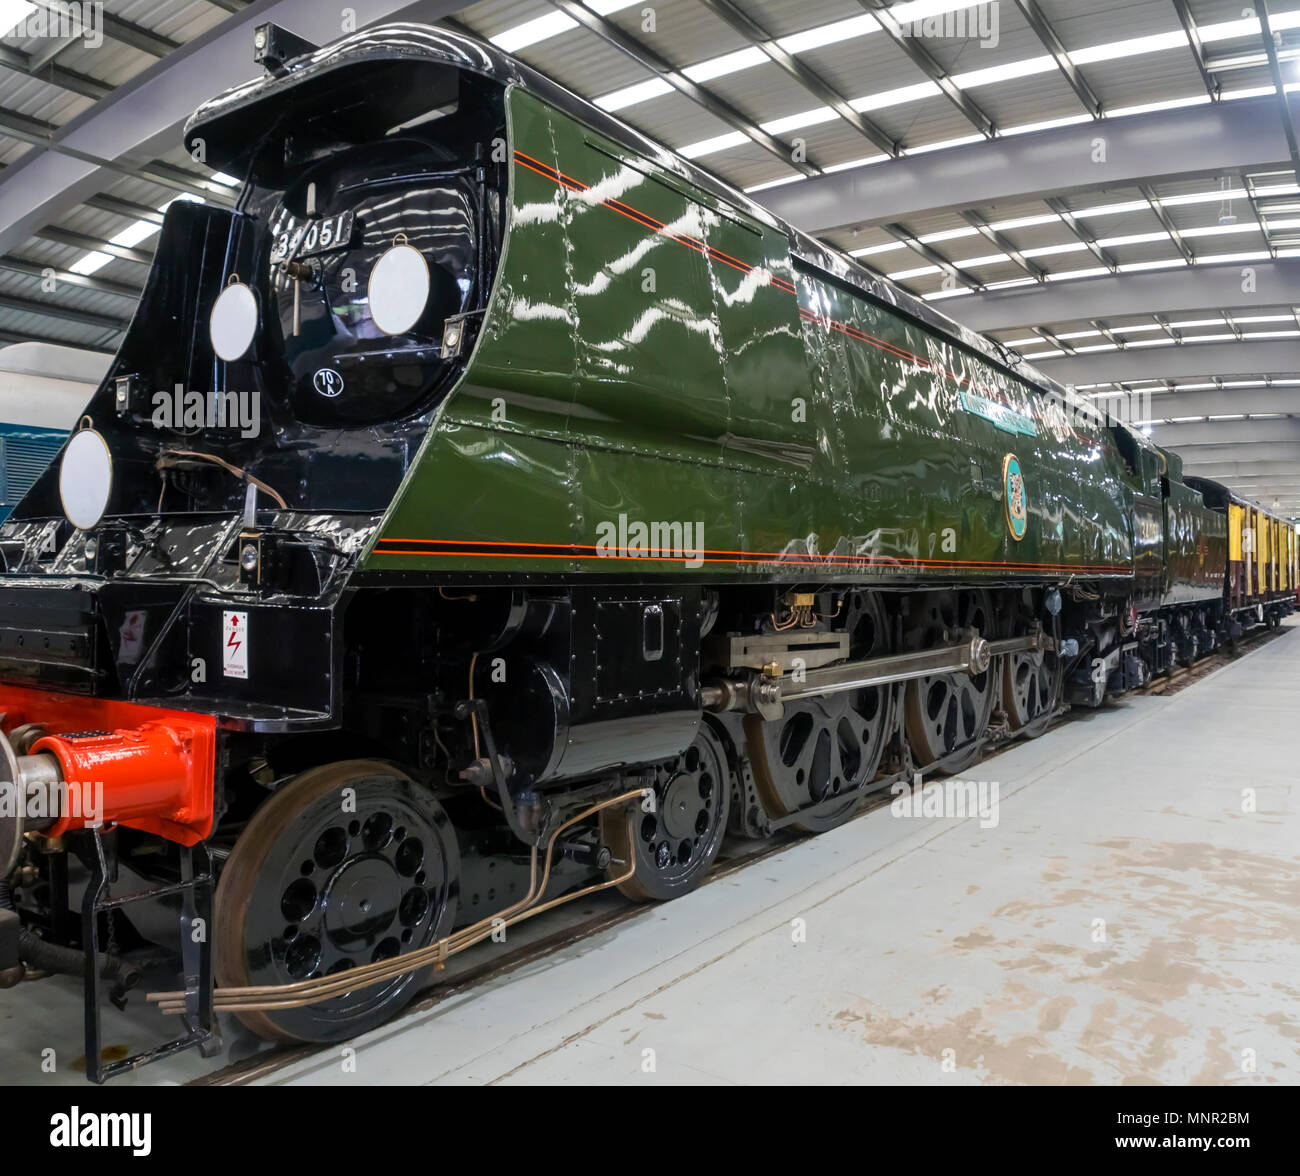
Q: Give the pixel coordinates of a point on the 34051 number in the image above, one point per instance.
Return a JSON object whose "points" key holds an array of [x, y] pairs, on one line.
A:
{"points": [[317, 236]]}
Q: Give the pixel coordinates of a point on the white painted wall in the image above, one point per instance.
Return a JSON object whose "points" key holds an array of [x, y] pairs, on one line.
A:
{"points": [[47, 386]]}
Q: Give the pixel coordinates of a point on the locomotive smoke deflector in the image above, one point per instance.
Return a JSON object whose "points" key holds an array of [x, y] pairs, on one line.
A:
{"points": [[374, 200], [317, 97]]}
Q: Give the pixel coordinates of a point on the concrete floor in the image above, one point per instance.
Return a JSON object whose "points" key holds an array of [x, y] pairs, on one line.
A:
{"points": [[938, 951]]}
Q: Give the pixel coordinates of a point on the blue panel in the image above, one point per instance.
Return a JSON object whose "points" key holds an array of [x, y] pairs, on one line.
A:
{"points": [[24, 454]]}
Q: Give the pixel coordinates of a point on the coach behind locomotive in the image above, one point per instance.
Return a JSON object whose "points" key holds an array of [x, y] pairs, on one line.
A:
{"points": [[593, 512]]}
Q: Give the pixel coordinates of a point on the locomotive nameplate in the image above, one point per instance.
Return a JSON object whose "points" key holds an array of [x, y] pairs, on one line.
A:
{"points": [[1003, 416]]}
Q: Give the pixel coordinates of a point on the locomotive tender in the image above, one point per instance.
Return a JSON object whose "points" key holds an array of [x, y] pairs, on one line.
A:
{"points": [[592, 513]]}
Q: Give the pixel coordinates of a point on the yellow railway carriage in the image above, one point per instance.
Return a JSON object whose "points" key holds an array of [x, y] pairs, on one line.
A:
{"points": [[1261, 556]]}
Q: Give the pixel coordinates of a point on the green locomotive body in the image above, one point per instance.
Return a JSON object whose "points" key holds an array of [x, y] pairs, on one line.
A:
{"points": [[656, 353]]}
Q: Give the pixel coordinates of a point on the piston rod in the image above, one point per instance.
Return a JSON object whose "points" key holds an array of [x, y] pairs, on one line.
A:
{"points": [[767, 696]]}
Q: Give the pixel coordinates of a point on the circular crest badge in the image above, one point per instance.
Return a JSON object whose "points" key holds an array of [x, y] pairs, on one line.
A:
{"points": [[328, 382], [1013, 485]]}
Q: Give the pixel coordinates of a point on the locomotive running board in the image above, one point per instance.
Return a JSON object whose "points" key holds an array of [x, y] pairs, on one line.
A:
{"points": [[768, 696]]}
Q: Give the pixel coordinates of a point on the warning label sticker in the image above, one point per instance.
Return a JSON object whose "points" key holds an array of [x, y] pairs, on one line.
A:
{"points": [[131, 637], [234, 644]]}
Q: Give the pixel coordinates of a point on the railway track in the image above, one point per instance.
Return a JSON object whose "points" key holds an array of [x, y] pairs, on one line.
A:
{"points": [[1184, 676], [488, 961]]}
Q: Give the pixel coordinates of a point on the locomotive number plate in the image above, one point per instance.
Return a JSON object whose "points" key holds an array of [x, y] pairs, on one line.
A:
{"points": [[311, 237]]}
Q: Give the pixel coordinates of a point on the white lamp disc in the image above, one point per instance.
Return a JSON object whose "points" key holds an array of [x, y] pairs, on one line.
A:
{"points": [[85, 478], [233, 322], [399, 289]]}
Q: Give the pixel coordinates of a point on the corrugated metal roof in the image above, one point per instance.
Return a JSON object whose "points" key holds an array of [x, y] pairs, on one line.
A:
{"points": [[140, 191], [833, 143], [112, 62], [67, 296], [1135, 81], [765, 92], [1027, 101], [1143, 251], [994, 34], [178, 20], [40, 100], [585, 64], [491, 17], [1214, 11], [863, 65], [917, 124], [675, 121], [683, 31], [11, 150], [1103, 22]]}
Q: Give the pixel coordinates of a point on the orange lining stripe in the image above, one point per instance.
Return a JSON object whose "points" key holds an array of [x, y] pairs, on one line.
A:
{"points": [[646, 220], [468, 546], [705, 551], [640, 218], [815, 563], [578, 185], [635, 214]]}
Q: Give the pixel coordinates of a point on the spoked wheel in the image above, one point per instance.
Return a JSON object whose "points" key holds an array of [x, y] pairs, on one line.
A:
{"points": [[823, 750], [675, 845], [1030, 684], [945, 714], [345, 865], [1188, 645]]}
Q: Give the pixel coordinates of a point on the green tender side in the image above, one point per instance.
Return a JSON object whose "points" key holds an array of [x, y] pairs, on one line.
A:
{"points": [[1196, 548], [652, 355]]}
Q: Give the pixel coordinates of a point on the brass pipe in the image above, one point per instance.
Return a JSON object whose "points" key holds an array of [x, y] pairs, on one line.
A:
{"points": [[306, 992]]}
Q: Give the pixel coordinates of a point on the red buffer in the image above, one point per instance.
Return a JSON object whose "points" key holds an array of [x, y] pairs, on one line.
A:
{"points": [[100, 761]]}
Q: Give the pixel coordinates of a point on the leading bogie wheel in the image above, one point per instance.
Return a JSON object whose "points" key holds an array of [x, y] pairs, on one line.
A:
{"points": [[344, 865]]}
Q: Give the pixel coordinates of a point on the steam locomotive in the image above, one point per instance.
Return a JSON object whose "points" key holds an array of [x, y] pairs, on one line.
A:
{"points": [[493, 507]]}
